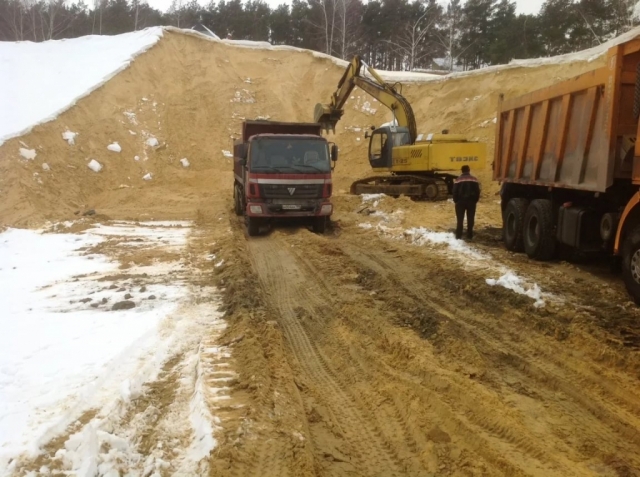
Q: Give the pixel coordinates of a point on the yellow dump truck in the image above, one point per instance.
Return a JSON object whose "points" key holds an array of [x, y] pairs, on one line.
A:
{"points": [[570, 165]]}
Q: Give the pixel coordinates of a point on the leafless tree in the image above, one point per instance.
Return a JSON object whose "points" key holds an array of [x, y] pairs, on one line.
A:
{"points": [[348, 12], [409, 44], [450, 35], [15, 19]]}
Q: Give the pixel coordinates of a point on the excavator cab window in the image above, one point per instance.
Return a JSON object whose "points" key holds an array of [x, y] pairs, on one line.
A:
{"points": [[380, 147], [377, 145]]}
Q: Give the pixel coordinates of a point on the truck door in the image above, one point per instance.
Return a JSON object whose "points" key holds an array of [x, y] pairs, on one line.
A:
{"points": [[380, 148]]}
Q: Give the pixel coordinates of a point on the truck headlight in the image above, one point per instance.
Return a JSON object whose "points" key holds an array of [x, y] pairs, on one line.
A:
{"points": [[255, 209], [326, 209]]}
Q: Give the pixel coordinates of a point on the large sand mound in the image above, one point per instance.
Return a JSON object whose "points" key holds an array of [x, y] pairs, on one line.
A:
{"points": [[191, 95]]}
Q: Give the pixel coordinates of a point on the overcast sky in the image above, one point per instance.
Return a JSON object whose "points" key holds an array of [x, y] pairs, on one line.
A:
{"points": [[524, 6]]}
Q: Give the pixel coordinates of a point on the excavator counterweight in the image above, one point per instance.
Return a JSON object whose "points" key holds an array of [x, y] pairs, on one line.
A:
{"points": [[419, 166]]}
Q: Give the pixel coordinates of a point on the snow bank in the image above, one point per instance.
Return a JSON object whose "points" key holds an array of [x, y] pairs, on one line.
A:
{"points": [[61, 356], [41, 80], [421, 236], [511, 281], [115, 147]]}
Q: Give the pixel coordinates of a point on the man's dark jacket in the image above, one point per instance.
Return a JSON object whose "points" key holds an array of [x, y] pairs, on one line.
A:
{"points": [[466, 189]]}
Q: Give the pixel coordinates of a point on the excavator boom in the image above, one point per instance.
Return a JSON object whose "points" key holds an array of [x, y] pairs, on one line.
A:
{"points": [[329, 114], [418, 167]]}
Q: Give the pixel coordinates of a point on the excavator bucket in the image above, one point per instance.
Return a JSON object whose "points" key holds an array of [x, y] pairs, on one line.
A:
{"points": [[327, 116]]}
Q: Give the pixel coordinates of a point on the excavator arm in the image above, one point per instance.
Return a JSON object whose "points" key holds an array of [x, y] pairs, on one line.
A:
{"points": [[329, 114]]}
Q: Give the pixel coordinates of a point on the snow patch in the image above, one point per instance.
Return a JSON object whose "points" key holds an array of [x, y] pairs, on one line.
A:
{"points": [[45, 167], [152, 142], [422, 236], [41, 80], [29, 154], [94, 165], [372, 197], [243, 96], [147, 176], [70, 137], [131, 116], [115, 147], [185, 162], [227, 153], [513, 282]]}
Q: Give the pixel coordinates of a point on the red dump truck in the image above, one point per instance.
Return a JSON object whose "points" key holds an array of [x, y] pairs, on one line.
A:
{"points": [[283, 171], [570, 166]]}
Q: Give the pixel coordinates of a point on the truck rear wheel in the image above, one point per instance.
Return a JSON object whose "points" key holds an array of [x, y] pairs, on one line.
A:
{"points": [[319, 225], [253, 226], [513, 224], [538, 231], [631, 263]]}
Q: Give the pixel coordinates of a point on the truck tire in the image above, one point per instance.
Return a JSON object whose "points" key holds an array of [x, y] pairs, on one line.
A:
{"points": [[631, 263], [253, 226], [513, 224], [538, 230], [319, 225], [237, 202]]}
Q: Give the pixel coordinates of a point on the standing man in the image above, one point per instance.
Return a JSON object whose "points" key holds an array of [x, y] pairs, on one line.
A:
{"points": [[466, 193]]}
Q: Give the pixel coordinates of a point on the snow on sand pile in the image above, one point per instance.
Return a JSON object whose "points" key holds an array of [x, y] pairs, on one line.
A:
{"points": [[40, 80]]}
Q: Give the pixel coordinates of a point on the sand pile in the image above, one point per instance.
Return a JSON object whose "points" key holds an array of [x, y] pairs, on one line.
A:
{"points": [[186, 98]]}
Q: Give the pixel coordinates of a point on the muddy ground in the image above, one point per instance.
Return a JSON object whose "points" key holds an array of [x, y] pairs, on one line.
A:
{"points": [[358, 353]]}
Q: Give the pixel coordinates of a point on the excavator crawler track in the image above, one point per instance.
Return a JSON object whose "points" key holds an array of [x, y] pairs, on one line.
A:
{"points": [[417, 187]]}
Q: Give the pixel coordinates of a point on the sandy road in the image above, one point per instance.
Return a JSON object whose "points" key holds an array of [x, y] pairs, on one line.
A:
{"points": [[350, 354], [377, 358]]}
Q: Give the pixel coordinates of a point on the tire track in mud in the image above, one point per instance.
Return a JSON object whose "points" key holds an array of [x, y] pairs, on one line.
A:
{"points": [[288, 289], [542, 369]]}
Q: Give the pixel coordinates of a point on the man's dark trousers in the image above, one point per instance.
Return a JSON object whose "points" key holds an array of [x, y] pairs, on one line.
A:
{"points": [[465, 207]]}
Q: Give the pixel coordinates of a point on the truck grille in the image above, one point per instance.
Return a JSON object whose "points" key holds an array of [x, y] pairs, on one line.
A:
{"points": [[291, 191]]}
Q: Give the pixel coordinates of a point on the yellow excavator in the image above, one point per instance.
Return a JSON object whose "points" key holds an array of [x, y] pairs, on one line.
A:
{"points": [[422, 166]]}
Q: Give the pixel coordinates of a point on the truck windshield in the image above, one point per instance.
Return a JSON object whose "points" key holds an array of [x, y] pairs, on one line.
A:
{"points": [[306, 156]]}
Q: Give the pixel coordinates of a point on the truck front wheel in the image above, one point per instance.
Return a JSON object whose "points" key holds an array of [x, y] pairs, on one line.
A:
{"points": [[631, 263], [513, 224], [237, 201], [253, 226], [319, 225], [539, 237]]}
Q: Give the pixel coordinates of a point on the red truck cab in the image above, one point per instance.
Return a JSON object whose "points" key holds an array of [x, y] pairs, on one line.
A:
{"points": [[283, 171]]}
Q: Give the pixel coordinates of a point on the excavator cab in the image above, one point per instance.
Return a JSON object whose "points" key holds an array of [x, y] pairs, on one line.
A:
{"points": [[381, 144]]}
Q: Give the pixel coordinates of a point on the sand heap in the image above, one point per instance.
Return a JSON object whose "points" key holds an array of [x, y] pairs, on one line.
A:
{"points": [[186, 97]]}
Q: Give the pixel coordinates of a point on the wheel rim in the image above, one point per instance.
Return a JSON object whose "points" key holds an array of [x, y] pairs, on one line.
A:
{"points": [[635, 266]]}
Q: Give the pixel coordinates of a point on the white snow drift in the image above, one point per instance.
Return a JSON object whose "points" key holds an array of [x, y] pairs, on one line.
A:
{"points": [[61, 356], [41, 80]]}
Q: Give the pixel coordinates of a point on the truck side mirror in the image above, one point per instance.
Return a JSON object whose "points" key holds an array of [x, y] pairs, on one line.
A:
{"points": [[334, 152]]}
